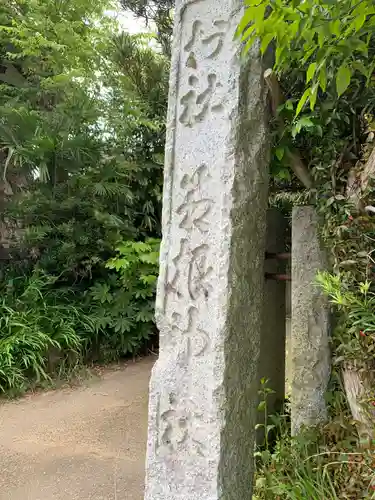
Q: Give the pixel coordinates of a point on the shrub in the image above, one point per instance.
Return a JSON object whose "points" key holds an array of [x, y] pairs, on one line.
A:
{"points": [[46, 327], [39, 329], [122, 305]]}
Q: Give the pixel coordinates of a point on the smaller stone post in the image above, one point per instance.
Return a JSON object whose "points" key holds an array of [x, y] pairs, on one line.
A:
{"points": [[310, 323]]}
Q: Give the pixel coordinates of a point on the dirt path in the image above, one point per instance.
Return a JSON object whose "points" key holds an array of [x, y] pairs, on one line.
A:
{"points": [[77, 444]]}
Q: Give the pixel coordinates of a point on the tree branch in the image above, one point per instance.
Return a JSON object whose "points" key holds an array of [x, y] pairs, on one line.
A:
{"points": [[277, 98]]}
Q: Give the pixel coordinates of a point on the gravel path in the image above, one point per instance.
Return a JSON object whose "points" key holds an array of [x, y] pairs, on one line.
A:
{"points": [[86, 443]]}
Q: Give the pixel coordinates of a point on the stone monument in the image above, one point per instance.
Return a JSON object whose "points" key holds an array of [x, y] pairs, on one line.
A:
{"points": [[203, 390]]}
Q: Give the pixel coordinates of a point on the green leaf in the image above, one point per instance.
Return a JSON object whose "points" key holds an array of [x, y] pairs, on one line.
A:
{"points": [[270, 428], [247, 33], [311, 72], [266, 41], [321, 38], [359, 21], [323, 78], [303, 123], [289, 105], [261, 482], [280, 153], [343, 79], [284, 174], [359, 66], [313, 96], [266, 455], [302, 101], [335, 27], [245, 21], [248, 45], [262, 406]]}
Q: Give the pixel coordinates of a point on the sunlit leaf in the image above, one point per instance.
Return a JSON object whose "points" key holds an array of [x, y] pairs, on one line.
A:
{"points": [[302, 101], [311, 72]]}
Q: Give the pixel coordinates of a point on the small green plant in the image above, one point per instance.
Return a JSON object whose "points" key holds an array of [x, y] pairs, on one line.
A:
{"points": [[354, 336], [265, 427]]}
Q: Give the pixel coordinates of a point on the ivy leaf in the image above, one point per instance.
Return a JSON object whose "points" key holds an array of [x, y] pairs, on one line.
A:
{"points": [[343, 79]]}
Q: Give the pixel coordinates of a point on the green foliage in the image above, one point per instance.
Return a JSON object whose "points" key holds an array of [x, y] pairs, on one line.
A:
{"points": [[122, 305], [82, 111], [266, 427], [355, 337], [329, 39], [46, 326], [324, 55], [319, 50], [349, 235], [310, 467], [324, 64], [321, 463], [38, 323]]}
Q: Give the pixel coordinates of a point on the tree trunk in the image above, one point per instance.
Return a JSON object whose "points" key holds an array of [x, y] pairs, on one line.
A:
{"points": [[360, 383], [359, 387]]}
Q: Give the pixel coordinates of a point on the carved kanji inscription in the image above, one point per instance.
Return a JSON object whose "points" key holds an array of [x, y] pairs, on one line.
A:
{"points": [[178, 426], [192, 274], [209, 42], [191, 340], [199, 100], [205, 93], [195, 208]]}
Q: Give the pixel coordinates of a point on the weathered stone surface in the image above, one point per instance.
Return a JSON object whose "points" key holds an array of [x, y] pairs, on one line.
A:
{"points": [[310, 323], [272, 344], [203, 391]]}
